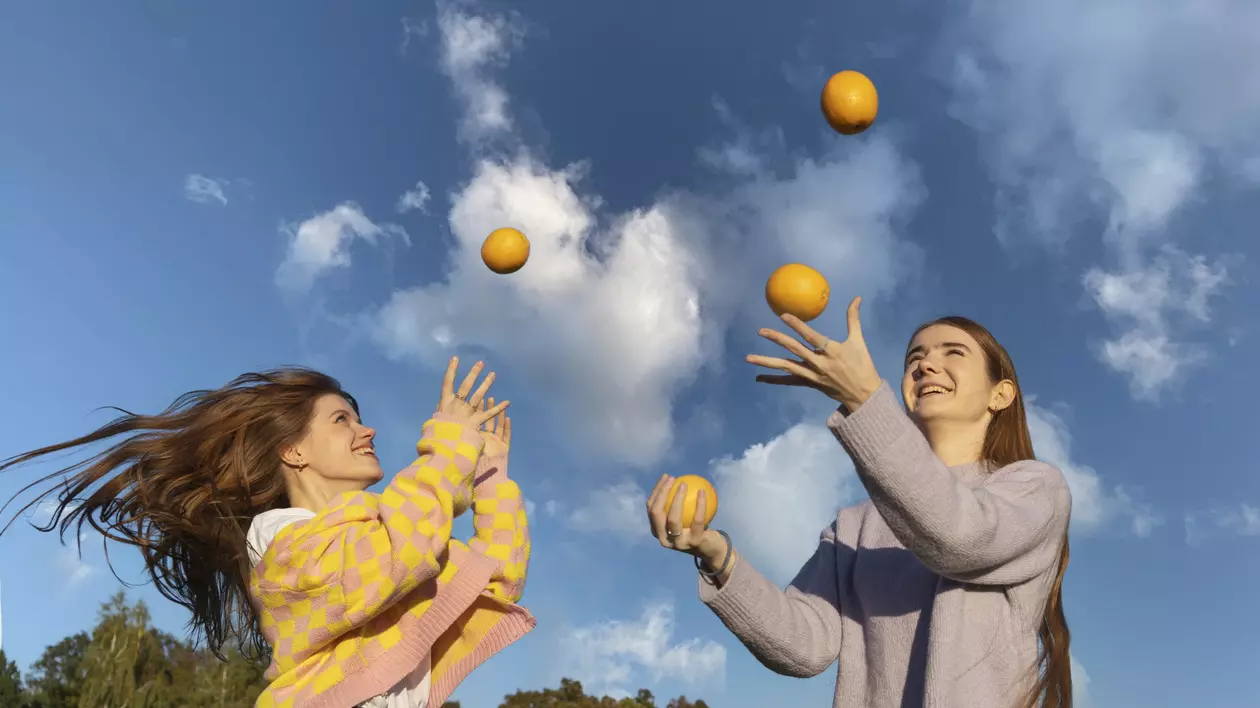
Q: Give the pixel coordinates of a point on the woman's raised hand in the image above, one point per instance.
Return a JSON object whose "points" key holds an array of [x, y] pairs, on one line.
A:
{"points": [[465, 403], [843, 371], [496, 431]]}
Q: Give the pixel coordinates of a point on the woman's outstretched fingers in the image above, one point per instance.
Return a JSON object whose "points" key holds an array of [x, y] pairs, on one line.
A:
{"points": [[789, 343], [855, 319], [506, 424], [448, 380], [497, 409], [480, 393], [465, 387]]}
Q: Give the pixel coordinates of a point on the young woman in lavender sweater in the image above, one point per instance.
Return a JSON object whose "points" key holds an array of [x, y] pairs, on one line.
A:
{"points": [[944, 589]]}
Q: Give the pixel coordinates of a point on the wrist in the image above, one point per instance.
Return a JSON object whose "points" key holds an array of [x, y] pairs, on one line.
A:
{"points": [[861, 394], [712, 549]]}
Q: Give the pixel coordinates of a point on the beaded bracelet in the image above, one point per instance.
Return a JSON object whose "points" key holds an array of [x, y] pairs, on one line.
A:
{"points": [[725, 561]]}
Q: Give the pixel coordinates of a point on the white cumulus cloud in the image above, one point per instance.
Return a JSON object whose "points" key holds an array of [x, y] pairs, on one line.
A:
{"points": [[1094, 505], [322, 243], [777, 496], [612, 657], [1122, 110], [616, 313], [1080, 685]]}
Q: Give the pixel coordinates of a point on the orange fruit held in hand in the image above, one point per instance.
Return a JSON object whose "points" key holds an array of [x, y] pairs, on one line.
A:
{"points": [[849, 102], [505, 251], [797, 290], [694, 485]]}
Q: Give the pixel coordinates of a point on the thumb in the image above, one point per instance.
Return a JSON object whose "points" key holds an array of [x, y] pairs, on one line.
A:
{"points": [[855, 322]]}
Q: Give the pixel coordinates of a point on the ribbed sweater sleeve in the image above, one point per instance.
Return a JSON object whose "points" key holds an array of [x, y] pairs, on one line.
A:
{"points": [[501, 528], [794, 632], [1005, 531], [363, 551]]}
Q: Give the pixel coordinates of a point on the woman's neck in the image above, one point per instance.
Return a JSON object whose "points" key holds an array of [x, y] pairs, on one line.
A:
{"points": [[315, 493], [953, 443]]}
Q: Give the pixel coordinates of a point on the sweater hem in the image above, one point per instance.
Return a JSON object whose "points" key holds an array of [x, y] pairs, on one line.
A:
{"points": [[419, 634], [514, 625]]}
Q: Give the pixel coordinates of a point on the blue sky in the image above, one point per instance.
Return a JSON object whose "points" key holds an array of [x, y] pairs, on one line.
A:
{"points": [[190, 193]]}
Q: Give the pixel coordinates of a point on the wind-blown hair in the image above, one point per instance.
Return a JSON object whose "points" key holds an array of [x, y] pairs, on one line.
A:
{"points": [[183, 486]]}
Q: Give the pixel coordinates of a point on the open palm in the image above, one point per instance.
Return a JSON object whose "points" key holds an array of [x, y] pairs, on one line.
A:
{"points": [[496, 431]]}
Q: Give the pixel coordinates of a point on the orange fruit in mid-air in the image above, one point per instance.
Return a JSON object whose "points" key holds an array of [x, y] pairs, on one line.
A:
{"points": [[797, 290], [694, 484], [849, 102], [505, 251]]}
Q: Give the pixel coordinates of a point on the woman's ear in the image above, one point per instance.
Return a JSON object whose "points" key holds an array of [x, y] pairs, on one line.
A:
{"points": [[292, 456], [1002, 396]]}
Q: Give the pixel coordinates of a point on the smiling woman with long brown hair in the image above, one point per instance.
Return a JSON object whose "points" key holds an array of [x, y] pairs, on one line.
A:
{"points": [[944, 590], [250, 506]]}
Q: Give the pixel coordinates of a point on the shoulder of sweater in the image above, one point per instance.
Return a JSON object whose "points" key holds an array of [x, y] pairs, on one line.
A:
{"points": [[1039, 470], [849, 519]]}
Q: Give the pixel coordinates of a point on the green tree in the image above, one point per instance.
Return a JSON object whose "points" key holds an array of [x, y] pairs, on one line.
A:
{"points": [[10, 683], [56, 678], [570, 694], [125, 665]]}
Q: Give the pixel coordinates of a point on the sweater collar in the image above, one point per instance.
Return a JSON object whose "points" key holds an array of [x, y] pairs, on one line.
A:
{"points": [[972, 473]]}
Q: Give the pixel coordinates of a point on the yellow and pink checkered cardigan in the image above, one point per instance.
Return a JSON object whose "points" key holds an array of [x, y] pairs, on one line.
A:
{"points": [[354, 598]]}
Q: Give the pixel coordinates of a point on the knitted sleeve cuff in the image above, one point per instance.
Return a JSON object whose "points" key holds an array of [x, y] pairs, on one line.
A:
{"points": [[491, 471], [873, 428]]}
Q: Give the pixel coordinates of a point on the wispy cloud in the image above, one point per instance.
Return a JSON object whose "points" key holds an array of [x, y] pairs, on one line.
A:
{"points": [[412, 28], [416, 198], [472, 43], [1237, 520], [617, 510], [609, 656], [1149, 304], [1067, 149], [204, 190], [72, 565], [322, 243]]}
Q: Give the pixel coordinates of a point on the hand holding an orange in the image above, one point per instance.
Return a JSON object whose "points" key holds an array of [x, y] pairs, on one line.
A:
{"points": [[679, 513]]}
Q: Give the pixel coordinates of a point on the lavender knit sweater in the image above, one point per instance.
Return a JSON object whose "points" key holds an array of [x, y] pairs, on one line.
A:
{"points": [[930, 594]]}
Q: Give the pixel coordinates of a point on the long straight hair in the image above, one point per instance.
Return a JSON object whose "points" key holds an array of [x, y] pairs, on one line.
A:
{"points": [[1008, 440]]}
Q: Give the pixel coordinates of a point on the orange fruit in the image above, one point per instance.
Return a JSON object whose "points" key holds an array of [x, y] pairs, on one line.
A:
{"points": [[797, 290], [694, 484], [505, 251], [849, 102]]}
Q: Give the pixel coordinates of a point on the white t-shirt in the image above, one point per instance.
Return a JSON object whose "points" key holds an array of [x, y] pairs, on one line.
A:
{"points": [[413, 690]]}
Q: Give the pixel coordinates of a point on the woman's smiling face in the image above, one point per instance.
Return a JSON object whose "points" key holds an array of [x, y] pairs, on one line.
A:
{"points": [[947, 376]]}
